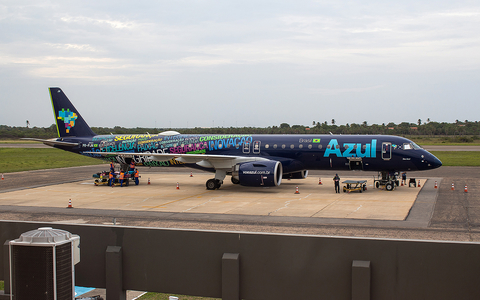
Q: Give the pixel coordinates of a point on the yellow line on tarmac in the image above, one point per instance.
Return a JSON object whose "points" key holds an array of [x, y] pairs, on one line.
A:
{"points": [[180, 199]]}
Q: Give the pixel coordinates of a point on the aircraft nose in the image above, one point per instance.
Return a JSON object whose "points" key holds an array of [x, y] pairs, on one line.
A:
{"points": [[434, 161]]}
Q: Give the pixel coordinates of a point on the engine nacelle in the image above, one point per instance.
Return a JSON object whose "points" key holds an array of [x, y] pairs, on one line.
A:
{"points": [[258, 173], [297, 175]]}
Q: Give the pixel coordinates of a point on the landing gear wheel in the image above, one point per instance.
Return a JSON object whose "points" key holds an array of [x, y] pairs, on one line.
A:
{"points": [[234, 181], [389, 186], [377, 184], [213, 184]]}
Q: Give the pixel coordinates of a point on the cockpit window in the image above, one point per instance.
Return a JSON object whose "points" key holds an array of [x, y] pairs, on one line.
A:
{"points": [[415, 146], [409, 146]]}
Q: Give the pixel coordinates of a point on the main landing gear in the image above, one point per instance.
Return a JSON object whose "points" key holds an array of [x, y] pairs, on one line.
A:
{"points": [[216, 183], [213, 184]]}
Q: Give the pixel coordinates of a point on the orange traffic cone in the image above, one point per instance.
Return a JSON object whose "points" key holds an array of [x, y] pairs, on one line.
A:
{"points": [[178, 186], [436, 184], [453, 186], [402, 183], [296, 190], [3, 178], [148, 180], [191, 174], [319, 180], [466, 190], [69, 203], [419, 183]]}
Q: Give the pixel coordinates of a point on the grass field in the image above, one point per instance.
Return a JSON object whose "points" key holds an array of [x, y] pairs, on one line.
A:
{"points": [[26, 159], [458, 158], [18, 142]]}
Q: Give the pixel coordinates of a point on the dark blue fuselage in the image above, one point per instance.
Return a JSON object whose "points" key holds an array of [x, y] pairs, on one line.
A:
{"points": [[295, 152]]}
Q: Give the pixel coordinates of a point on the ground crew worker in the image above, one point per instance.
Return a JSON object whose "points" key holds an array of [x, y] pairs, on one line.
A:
{"points": [[110, 178], [132, 166], [122, 175], [404, 177], [112, 167], [136, 177], [336, 180]]}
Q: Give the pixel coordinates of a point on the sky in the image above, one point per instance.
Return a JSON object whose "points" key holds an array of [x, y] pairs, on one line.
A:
{"points": [[183, 64]]}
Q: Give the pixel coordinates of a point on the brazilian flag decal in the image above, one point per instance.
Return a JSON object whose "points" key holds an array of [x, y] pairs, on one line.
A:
{"points": [[316, 140]]}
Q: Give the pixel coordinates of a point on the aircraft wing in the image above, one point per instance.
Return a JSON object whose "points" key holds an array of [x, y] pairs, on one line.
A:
{"points": [[52, 142], [203, 160]]}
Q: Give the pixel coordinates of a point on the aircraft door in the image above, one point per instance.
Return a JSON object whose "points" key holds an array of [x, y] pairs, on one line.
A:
{"points": [[256, 147], [246, 147], [355, 163], [386, 150]]}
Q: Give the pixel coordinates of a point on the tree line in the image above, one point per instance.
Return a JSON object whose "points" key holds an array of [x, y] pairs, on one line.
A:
{"points": [[468, 129]]}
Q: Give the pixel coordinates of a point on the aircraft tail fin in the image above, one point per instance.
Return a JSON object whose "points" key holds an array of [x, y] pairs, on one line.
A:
{"points": [[68, 120]]}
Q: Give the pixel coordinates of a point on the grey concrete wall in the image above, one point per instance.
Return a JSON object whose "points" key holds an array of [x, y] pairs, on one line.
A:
{"points": [[272, 266]]}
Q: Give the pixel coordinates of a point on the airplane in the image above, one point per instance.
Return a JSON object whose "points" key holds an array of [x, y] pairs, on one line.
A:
{"points": [[250, 160]]}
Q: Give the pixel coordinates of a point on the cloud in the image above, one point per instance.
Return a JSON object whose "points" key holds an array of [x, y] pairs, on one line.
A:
{"points": [[247, 52], [116, 24], [345, 90]]}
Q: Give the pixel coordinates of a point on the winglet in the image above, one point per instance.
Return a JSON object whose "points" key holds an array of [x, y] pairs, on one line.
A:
{"points": [[69, 121]]}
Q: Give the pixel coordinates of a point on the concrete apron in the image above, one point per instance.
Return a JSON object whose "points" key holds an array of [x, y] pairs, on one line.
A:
{"points": [[313, 200]]}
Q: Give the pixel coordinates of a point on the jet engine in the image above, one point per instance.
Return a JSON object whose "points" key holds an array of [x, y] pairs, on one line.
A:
{"points": [[258, 173], [297, 175]]}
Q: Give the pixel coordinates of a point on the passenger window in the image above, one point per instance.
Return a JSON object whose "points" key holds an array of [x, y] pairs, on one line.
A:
{"points": [[300, 146], [267, 146]]}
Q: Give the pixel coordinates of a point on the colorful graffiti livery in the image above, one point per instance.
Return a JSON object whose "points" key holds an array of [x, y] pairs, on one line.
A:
{"points": [[228, 142]]}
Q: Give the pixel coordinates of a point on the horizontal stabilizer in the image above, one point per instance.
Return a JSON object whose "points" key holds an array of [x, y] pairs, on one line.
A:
{"points": [[52, 142]]}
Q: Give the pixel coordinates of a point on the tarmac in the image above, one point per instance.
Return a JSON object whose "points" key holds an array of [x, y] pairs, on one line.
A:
{"points": [[180, 193]]}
